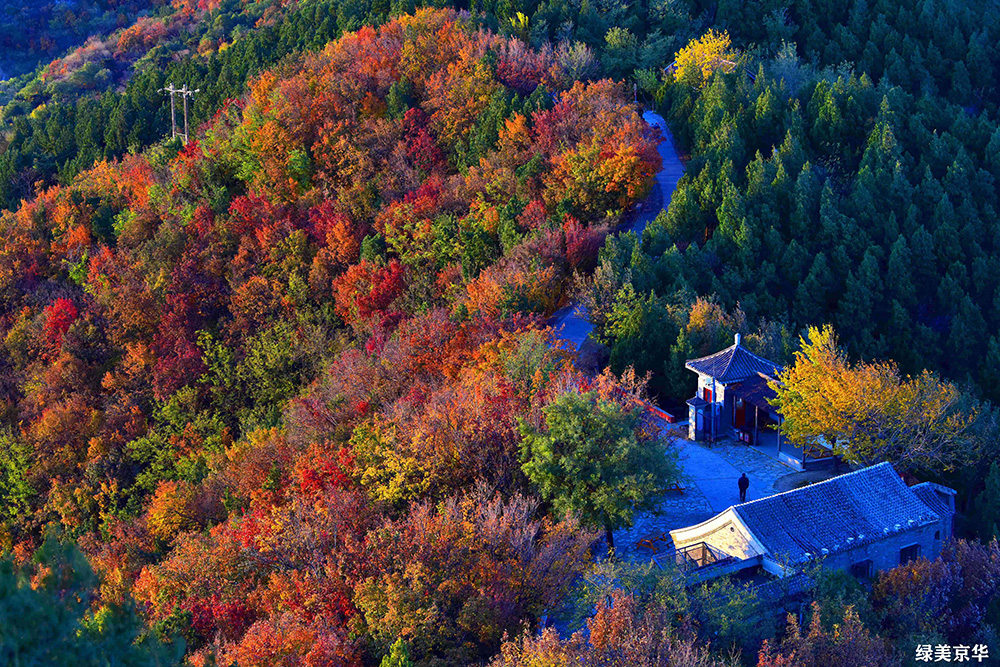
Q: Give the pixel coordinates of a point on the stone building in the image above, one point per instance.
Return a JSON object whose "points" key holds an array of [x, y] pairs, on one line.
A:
{"points": [[733, 402], [864, 521], [719, 406]]}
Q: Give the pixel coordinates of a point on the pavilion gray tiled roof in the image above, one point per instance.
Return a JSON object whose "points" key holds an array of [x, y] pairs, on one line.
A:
{"points": [[837, 514], [755, 391], [733, 364]]}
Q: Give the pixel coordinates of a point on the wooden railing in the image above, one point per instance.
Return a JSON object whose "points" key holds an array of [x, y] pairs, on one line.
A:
{"points": [[658, 412]]}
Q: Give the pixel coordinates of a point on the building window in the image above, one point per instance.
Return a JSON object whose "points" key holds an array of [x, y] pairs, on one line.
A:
{"points": [[937, 534], [862, 569], [707, 394], [911, 552]]}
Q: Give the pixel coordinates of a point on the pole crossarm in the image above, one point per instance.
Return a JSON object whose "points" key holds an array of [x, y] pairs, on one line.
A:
{"points": [[185, 93]]}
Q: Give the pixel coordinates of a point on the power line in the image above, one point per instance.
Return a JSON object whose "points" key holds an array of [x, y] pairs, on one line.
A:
{"points": [[185, 93]]}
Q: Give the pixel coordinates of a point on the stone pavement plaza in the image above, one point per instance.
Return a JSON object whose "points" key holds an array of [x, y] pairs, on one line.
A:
{"points": [[710, 475]]}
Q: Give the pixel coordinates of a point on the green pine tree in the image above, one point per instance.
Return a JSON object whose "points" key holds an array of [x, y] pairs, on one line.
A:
{"points": [[987, 506], [45, 619]]}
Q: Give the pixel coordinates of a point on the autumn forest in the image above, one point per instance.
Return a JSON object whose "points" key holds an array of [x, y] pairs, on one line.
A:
{"points": [[288, 393]]}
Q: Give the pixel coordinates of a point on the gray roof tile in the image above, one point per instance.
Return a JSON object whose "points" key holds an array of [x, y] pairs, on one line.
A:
{"points": [[862, 506], [930, 494], [755, 391], [733, 364]]}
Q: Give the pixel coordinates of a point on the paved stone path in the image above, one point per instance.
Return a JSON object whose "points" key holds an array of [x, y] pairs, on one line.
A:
{"points": [[571, 320], [709, 488]]}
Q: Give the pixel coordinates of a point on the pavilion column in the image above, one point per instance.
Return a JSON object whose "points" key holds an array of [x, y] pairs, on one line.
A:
{"points": [[780, 422], [803, 455], [711, 408]]}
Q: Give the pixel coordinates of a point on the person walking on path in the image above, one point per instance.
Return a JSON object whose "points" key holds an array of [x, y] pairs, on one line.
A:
{"points": [[744, 484]]}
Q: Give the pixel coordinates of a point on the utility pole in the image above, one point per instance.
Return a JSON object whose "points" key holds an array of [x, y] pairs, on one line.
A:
{"points": [[185, 93]]}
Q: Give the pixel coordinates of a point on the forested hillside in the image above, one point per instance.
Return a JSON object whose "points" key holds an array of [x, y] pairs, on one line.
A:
{"points": [[33, 32], [101, 100], [856, 196], [285, 395], [378, 225]]}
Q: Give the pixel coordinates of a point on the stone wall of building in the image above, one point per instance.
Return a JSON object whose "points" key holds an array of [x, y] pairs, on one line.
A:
{"points": [[885, 552], [729, 538]]}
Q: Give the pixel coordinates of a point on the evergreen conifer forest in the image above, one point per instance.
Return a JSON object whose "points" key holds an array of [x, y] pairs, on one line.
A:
{"points": [[290, 394]]}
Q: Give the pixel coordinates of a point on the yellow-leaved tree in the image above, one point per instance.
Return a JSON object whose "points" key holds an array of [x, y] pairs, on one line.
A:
{"points": [[870, 412], [172, 510], [697, 61]]}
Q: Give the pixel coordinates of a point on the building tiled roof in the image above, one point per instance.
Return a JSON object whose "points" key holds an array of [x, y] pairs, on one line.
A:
{"points": [[755, 391], [835, 515], [733, 364], [930, 494]]}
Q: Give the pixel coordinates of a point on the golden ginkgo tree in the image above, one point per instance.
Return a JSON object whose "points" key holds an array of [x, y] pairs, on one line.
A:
{"points": [[697, 61], [870, 412]]}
